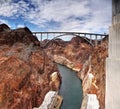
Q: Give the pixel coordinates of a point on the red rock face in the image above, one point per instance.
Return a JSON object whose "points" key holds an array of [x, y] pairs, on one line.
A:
{"points": [[24, 70], [22, 35], [99, 56], [76, 54], [4, 27]]}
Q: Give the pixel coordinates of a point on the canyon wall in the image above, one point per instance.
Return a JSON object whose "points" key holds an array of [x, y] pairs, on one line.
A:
{"points": [[25, 70], [87, 61]]}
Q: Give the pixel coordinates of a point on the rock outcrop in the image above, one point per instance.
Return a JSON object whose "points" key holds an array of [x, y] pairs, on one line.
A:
{"points": [[25, 70], [4, 27]]}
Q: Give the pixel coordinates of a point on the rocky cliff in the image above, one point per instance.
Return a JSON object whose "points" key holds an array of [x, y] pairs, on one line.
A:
{"points": [[25, 70], [86, 60]]}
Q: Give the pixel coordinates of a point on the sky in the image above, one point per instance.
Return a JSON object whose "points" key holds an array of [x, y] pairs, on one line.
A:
{"points": [[92, 16]]}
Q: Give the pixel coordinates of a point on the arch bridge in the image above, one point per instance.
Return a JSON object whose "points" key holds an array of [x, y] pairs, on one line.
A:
{"points": [[92, 38]]}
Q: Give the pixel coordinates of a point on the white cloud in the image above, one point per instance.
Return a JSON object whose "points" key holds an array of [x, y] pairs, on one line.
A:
{"points": [[8, 10], [3, 21], [69, 15], [58, 11], [77, 15], [98, 21], [11, 9], [4, 1], [20, 26], [101, 15], [61, 10]]}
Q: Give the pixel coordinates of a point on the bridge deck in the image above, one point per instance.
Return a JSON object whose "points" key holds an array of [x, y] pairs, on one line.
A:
{"points": [[69, 33]]}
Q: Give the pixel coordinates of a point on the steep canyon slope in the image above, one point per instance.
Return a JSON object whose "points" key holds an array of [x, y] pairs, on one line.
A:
{"points": [[25, 70]]}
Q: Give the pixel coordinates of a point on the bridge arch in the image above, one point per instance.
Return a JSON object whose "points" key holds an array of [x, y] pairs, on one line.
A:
{"points": [[63, 35], [85, 38]]}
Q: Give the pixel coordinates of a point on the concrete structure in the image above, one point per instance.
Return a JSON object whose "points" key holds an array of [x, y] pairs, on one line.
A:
{"points": [[51, 101], [90, 101], [113, 61], [47, 100]]}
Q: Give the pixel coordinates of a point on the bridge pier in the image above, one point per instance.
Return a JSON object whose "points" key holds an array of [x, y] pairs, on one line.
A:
{"points": [[101, 40], [96, 40], [47, 35], [41, 37], [90, 39]]}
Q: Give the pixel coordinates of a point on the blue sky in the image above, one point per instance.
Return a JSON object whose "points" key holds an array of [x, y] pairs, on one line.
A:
{"points": [[57, 15]]}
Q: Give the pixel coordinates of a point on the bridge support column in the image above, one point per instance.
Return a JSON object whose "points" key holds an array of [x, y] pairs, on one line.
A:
{"points": [[101, 40], [41, 37], [96, 41], [47, 35], [113, 61]]}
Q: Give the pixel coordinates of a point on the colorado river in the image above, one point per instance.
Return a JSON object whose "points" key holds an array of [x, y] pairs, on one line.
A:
{"points": [[71, 89]]}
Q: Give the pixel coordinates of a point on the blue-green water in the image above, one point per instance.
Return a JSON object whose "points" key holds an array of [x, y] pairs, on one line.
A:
{"points": [[71, 89]]}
